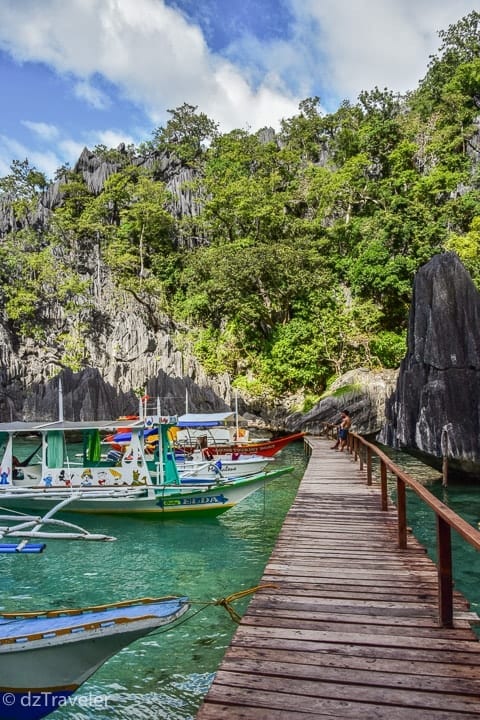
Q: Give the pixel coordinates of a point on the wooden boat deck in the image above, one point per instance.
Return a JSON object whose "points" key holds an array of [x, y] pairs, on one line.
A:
{"points": [[351, 631]]}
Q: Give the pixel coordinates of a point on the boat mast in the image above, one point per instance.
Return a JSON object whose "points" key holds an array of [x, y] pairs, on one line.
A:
{"points": [[236, 415], [160, 468], [60, 400]]}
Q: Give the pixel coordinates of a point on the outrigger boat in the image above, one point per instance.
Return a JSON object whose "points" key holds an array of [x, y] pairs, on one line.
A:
{"points": [[208, 431], [220, 429], [46, 656], [205, 465], [134, 483], [265, 448]]}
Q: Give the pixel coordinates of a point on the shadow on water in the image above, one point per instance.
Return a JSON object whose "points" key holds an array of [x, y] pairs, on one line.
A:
{"points": [[166, 674]]}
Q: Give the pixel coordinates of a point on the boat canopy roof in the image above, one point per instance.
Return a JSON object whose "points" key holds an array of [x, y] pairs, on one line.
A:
{"points": [[204, 419], [36, 427]]}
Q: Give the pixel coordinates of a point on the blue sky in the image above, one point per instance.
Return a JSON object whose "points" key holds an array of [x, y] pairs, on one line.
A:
{"points": [[76, 73]]}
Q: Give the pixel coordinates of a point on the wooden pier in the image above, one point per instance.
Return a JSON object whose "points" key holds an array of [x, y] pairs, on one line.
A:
{"points": [[351, 629]]}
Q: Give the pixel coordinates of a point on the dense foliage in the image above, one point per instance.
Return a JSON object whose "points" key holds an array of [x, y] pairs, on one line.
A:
{"points": [[299, 260]]}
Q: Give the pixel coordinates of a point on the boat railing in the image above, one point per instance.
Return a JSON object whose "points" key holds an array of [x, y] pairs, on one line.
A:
{"points": [[446, 519]]}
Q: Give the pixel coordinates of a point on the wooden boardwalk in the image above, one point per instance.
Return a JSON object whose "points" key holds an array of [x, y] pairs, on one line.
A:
{"points": [[351, 631]]}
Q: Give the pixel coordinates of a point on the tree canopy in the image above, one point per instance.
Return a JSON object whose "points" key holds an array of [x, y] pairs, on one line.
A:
{"points": [[302, 245]]}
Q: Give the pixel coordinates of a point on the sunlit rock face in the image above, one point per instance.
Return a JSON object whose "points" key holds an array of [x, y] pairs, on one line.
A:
{"points": [[435, 408], [360, 391], [127, 353]]}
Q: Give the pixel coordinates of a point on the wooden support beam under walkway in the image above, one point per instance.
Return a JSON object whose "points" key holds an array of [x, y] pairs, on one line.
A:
{"points": [[351, 629]]}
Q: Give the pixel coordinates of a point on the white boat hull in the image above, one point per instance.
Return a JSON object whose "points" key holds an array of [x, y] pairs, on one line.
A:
{"points": [[45, 658], [131, 482], [192, 471], [155, 500]]}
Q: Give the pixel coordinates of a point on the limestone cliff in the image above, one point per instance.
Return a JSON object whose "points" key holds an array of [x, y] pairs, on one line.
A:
{"points": [[126, 353], [126, 357], [435, 408]]}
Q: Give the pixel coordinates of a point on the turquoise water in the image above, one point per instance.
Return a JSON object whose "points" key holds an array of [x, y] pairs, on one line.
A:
{"points": [[166, 674], [464, 499]]}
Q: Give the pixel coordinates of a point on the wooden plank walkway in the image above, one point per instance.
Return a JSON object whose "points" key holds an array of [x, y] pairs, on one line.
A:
{"points": [[351, 630]]}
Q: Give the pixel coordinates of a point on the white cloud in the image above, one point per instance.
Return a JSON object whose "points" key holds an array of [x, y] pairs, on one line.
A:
{"points": [[153, 55], [154, 58], [47, 161], [11, 148], [95, 97], [4, 162], [70, 150], [368, 43], [337, 48], [110, 138], [43, 130]]}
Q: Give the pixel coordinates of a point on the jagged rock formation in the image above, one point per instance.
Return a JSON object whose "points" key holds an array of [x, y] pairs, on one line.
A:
{"points": [[434, 410], [129, 359], [128, 354], [95, 171], [87, 395], [131, 354], [362, 392], [167, 168]]}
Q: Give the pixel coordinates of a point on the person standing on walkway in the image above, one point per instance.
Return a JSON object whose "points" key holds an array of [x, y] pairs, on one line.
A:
{"points": [[343, 430]]}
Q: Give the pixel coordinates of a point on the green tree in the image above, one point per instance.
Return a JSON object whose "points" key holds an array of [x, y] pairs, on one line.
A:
{"points": [[20, 188], [38, 280], [186, 134], [24, 181], [305, 132]]}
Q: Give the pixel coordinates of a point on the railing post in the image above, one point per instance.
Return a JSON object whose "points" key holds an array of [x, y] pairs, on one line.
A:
{"points": [[383, 478], [444, 568], [357, 445], [402, 514], [445, 445], [369, 466]]}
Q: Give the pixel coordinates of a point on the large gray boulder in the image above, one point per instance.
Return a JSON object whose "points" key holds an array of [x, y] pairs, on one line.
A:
{"points": [[435, 409], [361, 391]]}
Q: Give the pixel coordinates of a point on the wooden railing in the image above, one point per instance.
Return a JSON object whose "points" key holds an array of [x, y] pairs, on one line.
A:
{"points": [[446, 519]]}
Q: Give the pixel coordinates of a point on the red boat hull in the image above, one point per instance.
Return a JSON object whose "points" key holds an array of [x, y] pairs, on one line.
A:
{"points": [[268, 448]]}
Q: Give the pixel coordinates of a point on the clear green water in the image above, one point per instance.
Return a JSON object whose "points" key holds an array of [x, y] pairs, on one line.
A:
{"points": [[166, 674], [464, 499]]}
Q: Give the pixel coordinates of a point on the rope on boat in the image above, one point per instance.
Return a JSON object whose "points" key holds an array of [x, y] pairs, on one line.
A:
{"points": [[226, 602], [223, 602]]}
